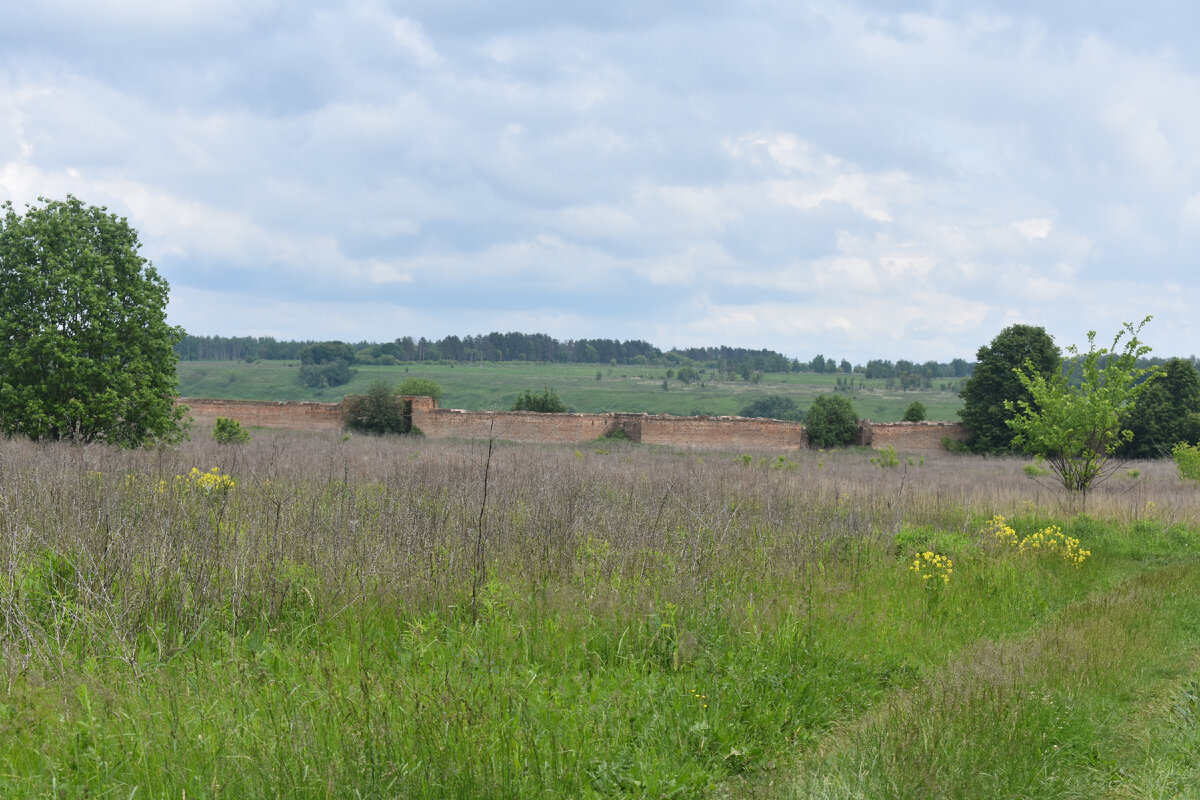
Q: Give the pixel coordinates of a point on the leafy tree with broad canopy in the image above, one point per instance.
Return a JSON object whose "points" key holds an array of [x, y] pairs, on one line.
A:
{"points": [[1076, 426], [831, 422], [994, 384], [86, 354]]}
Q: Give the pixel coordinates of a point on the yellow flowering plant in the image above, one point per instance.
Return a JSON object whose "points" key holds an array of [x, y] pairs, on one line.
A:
{"points": [[1049, 539], [932, 567], [934, 570], [213, 483]]}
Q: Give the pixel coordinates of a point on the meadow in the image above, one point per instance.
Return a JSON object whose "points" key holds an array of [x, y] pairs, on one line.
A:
{"points": [[312, 616], [495, 385]]}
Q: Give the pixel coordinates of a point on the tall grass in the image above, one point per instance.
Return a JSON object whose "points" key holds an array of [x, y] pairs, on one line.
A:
{"points": [[353, 617]]}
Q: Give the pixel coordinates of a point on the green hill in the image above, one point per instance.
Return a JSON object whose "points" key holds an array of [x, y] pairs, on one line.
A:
{"points": [[488, 385]]}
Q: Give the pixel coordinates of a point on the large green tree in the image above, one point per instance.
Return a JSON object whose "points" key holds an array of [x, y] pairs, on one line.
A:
{"points": [[86, 353], [995, 383], [1166, 413]]}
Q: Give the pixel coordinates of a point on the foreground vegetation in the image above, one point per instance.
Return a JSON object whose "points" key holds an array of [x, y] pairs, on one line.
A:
{"points": [[497, 385], [304, 616]]}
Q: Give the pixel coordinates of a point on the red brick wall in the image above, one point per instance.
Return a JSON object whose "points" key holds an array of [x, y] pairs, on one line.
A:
{"points": [[527, 426], [911, 436], [267, 414], [516, 426], [722, 432]]}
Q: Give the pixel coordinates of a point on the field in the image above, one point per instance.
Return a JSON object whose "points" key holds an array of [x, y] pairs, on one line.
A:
{"points": [[308, 616], [495, 385]]}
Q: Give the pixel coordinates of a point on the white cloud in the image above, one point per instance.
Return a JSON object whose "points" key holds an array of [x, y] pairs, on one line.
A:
{"points": [[807, 177], [1033, 228], [411, 36]]}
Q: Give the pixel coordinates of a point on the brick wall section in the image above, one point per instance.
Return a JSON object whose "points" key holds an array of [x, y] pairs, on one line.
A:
{"points": [[527, 426], [768, 434], [516, 426], [910, 436], [267, 414]]}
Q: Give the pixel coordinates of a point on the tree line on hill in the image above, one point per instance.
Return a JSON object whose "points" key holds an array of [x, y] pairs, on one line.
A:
{"points": [[730, 362]]}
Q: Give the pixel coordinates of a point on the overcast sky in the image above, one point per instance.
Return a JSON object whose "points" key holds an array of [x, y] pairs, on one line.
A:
{"points": [[862, 180]]}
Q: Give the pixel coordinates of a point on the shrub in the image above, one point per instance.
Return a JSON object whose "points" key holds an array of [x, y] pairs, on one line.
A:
{"points": [[955, 446], [419, 387], [547, 402], [915, 412], [379, 411], [774, 406], [229, 431], [1187, 459], [831, 422]]}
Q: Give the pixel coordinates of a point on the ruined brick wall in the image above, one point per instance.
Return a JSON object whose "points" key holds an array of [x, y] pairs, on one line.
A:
{"points": [[516, 426], [527, 426], [910, 436], [771, 434], [268, 414]]}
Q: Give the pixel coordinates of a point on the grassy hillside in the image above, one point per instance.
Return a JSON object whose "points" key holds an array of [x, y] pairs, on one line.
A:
{"points": [[620, 388]]}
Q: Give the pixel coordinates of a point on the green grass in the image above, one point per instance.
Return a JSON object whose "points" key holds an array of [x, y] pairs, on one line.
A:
{"points": [[625, 622], [491, 385]]}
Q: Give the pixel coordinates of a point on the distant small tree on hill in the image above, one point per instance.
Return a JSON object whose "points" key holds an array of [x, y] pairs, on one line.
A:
{"points": [[420, 387], [326, 364], [545, 402], [915, 412], [774, 406]]}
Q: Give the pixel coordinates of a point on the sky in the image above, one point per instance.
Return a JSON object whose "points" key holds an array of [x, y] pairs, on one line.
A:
{"points": [[858, 179]]}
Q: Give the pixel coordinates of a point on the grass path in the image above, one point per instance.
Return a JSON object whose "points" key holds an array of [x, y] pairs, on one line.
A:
{"points": [[1100, 702]]}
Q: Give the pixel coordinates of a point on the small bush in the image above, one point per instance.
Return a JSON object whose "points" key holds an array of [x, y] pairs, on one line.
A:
{"points": [[887, 458], [831, 422], [419, 387], [1187, 460], [915, 412], [229, 431], [773, 406], [955, 446], [547, 402], [379, 411]]}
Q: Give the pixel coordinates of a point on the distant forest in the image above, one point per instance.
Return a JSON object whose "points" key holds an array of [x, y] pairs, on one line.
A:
{"points": [[734, 361]]}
